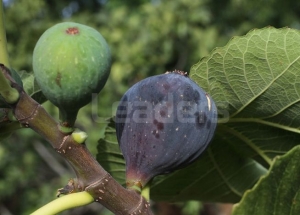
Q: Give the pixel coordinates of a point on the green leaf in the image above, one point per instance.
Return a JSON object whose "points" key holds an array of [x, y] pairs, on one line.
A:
{"points": [[109, 154], [31, 87], [255, 83], [276, 193], [217, 176]]}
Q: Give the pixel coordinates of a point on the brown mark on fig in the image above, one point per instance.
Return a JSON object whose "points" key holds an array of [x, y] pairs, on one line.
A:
{"points": [[200, 119], [72, 31], [159, 125], [57, 79]]}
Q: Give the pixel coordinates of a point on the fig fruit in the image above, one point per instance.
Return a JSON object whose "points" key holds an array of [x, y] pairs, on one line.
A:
{"points": [[71, 61], [163, 123]]}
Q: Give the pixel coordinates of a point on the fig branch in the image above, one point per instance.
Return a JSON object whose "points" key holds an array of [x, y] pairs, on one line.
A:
{"points": [[90, 176]]}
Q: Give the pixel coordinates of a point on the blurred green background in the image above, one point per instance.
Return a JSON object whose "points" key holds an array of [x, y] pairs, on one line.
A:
{"points": [[147, 37]]}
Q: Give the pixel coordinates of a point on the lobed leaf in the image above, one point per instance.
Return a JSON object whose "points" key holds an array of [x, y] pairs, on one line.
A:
{"points": [[255, 82]]}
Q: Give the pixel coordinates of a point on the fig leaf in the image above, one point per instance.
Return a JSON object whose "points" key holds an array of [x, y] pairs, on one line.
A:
{"points": [[278, 192], [255, 83]]}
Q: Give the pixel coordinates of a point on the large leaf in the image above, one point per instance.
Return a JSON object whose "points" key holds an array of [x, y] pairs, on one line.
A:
{"points": [[254, 82], [276, 193]]}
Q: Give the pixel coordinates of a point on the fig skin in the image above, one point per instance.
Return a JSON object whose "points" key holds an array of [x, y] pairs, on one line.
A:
{"points": [[71, 61], [163, 123]]}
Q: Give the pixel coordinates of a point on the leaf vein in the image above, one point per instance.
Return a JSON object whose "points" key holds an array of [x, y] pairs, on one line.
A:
{"points": [[265, 89], [221, 174]]}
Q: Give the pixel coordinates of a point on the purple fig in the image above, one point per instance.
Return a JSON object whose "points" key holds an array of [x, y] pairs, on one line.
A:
{"points": [[163, 123]]}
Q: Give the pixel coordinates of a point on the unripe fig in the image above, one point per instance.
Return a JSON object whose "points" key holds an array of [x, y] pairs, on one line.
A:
{"points": [[71, 61], [163, 123]]}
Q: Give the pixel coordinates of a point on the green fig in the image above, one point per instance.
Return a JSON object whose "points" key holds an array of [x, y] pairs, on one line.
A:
{"points": [[71, 62]]}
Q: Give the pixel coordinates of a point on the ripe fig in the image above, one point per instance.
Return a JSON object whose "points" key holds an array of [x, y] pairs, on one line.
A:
{"points": [[71, 61], [163, 123]]}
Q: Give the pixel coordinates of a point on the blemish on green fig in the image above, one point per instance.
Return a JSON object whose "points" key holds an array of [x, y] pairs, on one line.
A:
{"points": [[57, 80], [72, 31], [71, 62]]}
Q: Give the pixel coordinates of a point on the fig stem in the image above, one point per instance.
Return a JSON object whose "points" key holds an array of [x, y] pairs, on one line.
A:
{"points": [[65, 129], [65, 202], [67, 119], [135, 187], [10, 94], [146, 191]]}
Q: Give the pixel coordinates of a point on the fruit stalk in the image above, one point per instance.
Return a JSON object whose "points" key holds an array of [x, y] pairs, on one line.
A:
{"points": [[91, 177]]}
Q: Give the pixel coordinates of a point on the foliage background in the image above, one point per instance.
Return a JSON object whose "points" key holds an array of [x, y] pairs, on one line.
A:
{"points": [[147, 37]]}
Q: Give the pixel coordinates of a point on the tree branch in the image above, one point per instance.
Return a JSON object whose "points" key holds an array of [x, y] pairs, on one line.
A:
{"points": [[91, 177]]}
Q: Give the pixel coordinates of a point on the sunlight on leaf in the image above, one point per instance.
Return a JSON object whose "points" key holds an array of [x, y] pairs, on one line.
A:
{"points": [[255, 82]]}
